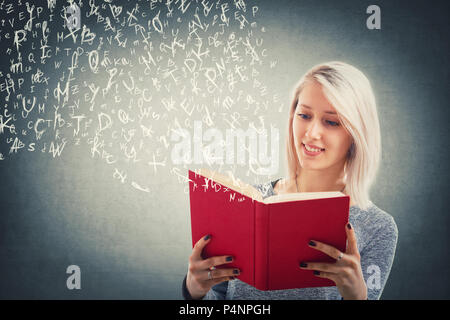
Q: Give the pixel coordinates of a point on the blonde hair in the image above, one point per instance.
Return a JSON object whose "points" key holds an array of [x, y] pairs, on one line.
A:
{"points": [[350, 93]]}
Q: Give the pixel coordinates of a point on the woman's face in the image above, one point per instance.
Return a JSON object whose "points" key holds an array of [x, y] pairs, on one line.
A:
{"points": [[316, 124]]}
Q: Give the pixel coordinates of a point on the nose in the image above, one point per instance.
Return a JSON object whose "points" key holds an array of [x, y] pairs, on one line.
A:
{"points": [[314, 131]]}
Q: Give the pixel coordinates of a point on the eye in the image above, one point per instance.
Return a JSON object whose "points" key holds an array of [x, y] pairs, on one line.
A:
{"points": [[303, 116], [332, 123]]}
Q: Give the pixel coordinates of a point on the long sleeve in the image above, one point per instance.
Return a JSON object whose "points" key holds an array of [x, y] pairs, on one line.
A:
{"points": [[218, 292], [378, 254]]}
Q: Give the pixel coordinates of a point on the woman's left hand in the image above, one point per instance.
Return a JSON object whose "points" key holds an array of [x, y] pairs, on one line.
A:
{"points": [[346, 272]]}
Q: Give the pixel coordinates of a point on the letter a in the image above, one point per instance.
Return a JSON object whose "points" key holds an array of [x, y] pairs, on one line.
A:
{"points": [[373, 21], [74, 281], [374, 281]]}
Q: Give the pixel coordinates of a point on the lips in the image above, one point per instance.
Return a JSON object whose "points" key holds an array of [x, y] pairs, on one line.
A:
{"points": [[311, 154], [313, 148]]}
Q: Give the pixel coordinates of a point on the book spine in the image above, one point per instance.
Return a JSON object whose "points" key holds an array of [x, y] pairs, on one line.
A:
{"points": [[261, 246]]}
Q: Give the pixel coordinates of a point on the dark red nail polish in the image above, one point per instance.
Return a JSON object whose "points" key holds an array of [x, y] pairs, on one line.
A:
{"points": [[349, 226]]}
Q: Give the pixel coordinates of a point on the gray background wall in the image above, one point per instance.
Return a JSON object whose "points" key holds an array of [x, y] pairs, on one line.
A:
{"points": [[129, 244]]}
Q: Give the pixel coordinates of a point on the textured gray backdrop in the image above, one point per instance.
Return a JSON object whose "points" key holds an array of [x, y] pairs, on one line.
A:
{"points": [[135, 245]]}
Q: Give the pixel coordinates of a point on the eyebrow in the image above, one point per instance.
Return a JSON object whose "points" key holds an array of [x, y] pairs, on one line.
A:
{"points": [[308, 107]]}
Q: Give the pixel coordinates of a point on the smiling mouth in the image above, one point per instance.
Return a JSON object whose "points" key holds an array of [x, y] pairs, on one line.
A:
{"points": [[312, 150]]}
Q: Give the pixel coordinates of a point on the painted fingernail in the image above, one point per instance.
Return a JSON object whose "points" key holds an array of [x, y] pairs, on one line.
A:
{"points": [[349, 226], [207, 237], [312, 243], [303, 264], [229, 259], [235, 271], [232, 278], [317, 272]]}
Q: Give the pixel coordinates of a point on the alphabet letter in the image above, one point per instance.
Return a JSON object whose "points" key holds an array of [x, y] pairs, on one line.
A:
{"points": [[74, 281], [373, 21]]}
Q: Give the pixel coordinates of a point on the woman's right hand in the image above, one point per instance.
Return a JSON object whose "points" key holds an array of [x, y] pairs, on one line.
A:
{"points": [[202, 274]]}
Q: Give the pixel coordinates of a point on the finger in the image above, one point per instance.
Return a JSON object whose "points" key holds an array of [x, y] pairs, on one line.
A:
{"points": [[326, 275], [327, 249], [352, 244], [198, 247], [215, 261], [219, 280], [320, 266], [229, 272], [220, 273]]}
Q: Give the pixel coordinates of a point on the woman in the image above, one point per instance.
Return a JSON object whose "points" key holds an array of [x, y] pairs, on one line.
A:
{"points": [[333, 145]]}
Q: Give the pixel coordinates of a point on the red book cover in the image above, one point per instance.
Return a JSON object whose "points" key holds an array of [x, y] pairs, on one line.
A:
{"points": [[268, 238]]}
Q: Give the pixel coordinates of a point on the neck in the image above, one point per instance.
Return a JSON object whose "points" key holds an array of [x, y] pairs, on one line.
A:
{"points": [[320, 181]]}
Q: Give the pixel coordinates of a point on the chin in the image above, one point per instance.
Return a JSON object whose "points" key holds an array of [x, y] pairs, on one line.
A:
{"points": [[311, 164], [306, 165], [314, 164]]}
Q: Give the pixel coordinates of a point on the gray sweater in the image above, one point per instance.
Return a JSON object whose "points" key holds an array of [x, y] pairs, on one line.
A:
{"points": [[376, 234]]}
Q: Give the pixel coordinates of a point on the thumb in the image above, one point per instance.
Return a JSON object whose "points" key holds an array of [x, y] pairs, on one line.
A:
{"points": [[352, 245]]}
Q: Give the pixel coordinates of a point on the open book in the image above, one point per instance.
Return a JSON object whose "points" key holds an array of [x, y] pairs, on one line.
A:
{"points": [[268, 238]]}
